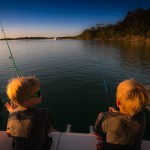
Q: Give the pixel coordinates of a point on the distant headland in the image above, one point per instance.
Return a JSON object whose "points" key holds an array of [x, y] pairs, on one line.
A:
{"points": [[38, 38], [134, 27]]}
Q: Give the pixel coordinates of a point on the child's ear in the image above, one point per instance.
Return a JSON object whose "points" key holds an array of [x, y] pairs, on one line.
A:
{"points": [[118, 103]]}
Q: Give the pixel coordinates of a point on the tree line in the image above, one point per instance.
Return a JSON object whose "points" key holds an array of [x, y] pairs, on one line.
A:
{"points": [[136, 23]]}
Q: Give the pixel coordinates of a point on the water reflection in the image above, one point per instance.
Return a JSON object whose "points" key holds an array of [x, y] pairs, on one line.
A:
{"points": [[135, 56], [70, 72]]}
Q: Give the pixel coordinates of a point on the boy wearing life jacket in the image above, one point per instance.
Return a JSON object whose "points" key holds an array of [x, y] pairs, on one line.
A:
{"points": [[124, 129], [27, 125]]}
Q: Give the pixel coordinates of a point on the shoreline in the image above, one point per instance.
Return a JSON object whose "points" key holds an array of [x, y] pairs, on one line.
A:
{"points": [[123, 39]]}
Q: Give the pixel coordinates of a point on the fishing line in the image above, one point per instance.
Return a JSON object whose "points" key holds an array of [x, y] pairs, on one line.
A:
{"points": [[58, 141], [105, 86], [11, 56]]}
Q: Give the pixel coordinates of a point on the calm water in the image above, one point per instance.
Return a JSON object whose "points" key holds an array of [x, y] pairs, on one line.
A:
{"points": [[71, 72]]}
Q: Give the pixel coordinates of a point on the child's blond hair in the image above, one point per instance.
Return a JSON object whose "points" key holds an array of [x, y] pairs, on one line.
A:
{"points": [[132, 95], [22, 88]]}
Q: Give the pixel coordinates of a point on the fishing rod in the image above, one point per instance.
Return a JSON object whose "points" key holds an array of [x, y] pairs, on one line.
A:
{"points": [[11, 56], [105, 86]]}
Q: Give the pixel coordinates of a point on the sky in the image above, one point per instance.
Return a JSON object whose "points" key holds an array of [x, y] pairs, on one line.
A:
{"points": [[56, 18]]}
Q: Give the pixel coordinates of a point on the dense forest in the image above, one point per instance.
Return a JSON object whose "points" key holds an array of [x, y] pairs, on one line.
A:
{"points": [[135, 26]]}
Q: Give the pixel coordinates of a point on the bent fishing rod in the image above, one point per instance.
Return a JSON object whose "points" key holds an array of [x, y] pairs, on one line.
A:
{"points": [[11, 56]]}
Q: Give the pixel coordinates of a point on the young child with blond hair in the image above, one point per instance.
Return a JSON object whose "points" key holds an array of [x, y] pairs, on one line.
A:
{"points": [[124, 129], [27, 125]]}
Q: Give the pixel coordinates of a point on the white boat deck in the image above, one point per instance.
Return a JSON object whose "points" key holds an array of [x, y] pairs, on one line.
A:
{"points": [[66, 141]]}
